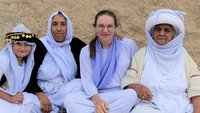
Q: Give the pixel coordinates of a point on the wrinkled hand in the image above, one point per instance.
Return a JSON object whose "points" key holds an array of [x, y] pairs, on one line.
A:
{"points": [[119, 37], [100, 105], [142, 91], [45, 102], [17, 98]]}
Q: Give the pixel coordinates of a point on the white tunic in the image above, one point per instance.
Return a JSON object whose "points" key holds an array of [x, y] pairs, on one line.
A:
{"points": [[112, 93]]}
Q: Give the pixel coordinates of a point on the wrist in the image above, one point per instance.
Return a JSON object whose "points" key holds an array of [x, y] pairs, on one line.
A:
{"points": [[132, 86]]}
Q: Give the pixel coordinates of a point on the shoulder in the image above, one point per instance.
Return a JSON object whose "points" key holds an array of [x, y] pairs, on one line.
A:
{"points": [[128, 41], [141, 51], [85, 49], [4, 60], [130, 44], [76, 41]]}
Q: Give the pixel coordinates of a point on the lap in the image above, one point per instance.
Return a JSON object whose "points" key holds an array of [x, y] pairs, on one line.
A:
{"points": [[146, 107]]}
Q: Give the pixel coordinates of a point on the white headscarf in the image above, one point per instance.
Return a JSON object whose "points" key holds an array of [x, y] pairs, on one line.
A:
{"points": [[9, 64], [63, 58], [164, 64]]}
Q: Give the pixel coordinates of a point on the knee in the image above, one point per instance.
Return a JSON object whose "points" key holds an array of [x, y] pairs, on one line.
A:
{"points": [[68, 100], [131, 96]]}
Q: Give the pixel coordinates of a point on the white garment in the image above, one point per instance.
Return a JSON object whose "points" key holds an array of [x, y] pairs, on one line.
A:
{"points": [[29, 101], [59, 67], [127, 49], [120, 101], [17, 76]]}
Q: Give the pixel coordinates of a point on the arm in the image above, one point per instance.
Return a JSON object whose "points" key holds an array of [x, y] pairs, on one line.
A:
{"points": [[193, 75], [44, 101], [142, 91], [16, 99], [196, 104], [88, 83], [86, 73], [76, 46], [32, 86], [100, 105], [133, 75]]}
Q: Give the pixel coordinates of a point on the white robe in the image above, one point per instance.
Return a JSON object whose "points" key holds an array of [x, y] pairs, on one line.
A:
{"points": [[17, 77], [120, 101]]}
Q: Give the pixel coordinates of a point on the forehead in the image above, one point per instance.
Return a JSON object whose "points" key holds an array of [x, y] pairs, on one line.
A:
{"points": [[105, 19], [58, 18], [164, 26]]}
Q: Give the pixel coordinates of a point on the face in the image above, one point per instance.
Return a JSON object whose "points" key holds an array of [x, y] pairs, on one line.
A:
{"points": [[105, 28], [59, 28], [21, 49], [163, 34]]}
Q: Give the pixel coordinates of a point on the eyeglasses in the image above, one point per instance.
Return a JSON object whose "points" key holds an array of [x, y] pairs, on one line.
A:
{"points": [[23, 42], [102, 27]]}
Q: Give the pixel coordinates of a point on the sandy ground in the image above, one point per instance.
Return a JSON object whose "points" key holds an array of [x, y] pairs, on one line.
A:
{"points": [[132, 15]]}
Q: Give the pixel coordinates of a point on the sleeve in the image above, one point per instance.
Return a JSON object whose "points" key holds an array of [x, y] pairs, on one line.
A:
{"points": [[131, 45], [4, 65], [76, 46], [134, 72], [86, 73], [1, 76], [193, 71]]}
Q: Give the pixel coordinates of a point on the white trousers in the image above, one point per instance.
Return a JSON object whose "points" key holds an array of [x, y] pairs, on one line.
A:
{"points": [[56, 92], [26, 106], [145, 108], [120, 101]]}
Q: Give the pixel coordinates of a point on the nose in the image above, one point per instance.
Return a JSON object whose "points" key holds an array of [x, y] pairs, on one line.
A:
{"points": [[162, 32], [59, 28], [105, 29]]}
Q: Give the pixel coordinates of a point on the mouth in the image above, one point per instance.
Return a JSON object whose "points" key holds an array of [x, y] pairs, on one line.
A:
{"points": [[58, 34]]}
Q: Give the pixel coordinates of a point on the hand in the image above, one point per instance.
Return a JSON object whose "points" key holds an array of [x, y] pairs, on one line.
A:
{"points": [[119, 37], [17, 98], [100, 105], [45, 102], [142, 91]]}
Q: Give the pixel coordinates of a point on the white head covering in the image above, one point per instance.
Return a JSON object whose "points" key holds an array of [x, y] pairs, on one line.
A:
{"points": [[61, 52], [69, 34], [164, 64], [9, 64], [21, 28]]}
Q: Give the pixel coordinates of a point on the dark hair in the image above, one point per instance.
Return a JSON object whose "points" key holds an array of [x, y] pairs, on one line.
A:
{"points": [[92, 44], [60, 14]]}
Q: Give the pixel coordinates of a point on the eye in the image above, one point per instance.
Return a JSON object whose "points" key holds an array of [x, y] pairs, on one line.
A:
{"points": [[157, 29], [63, 24], [101, 26], [54, 24], [167, 30], [110, 26]]}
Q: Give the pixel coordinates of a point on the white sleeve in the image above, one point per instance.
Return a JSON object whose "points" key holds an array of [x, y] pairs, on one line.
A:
{"points": [[86, 72], [131, 45], [1, 74]]}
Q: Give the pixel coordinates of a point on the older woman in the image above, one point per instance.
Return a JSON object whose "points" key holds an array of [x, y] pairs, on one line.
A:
{"points": [[59, 67], [103, 64], [163, 74], [18, 62]]}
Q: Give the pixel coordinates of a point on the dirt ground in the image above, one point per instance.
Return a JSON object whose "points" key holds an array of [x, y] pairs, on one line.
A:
{"points": [[132, 15]]}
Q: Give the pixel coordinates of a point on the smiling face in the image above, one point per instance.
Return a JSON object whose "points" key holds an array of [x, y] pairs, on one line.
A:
{"points": [[21, 49], [105, 28], [163, 33], [59, 28]]}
